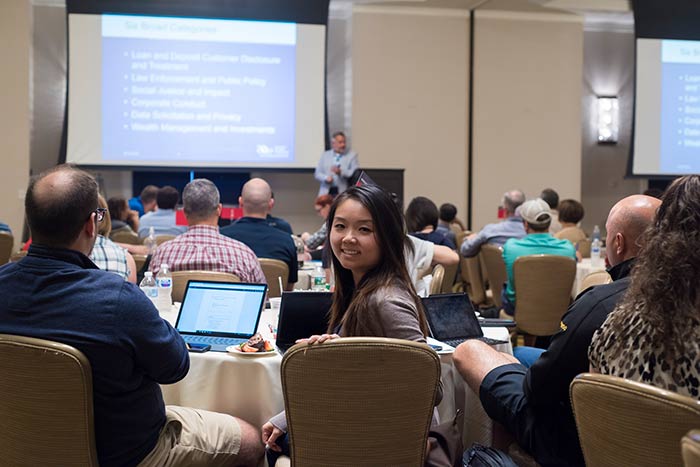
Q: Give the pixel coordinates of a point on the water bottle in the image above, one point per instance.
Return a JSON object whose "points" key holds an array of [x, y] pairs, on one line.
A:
{"points": [[318, 280], [595, 253], [164, 281], [150, 241], [596, 233], [149, 287]]}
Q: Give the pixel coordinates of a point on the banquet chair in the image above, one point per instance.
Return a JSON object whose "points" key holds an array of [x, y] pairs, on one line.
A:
{"points": [[622, 422], [163, 238], [470, 271], [180, 279], [594, 278], [690, 449], [7, 241], [140, 260], [46, 404], [125, 236], [584, 248], [370, 410], [274, 270], [491, 257], [449, 280], [543, 286], [438, 279]]}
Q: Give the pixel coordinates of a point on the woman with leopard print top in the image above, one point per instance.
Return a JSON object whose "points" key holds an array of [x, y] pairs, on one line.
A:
{"points": [[653, 336]]}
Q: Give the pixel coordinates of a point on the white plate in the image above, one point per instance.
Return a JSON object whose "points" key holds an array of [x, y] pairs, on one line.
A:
{"points": [[236, 350]]}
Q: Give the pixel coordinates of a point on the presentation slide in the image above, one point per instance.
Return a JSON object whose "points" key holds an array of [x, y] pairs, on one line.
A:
{"points": [[191, 92], [667, 114]]}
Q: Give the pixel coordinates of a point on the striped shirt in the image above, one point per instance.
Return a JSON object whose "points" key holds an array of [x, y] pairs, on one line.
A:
{"points": [[203, 248], [109, 256]]}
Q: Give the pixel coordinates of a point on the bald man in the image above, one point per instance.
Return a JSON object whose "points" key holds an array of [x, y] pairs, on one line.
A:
{"points": [[533, 404], [253, 229], [57, 293]]}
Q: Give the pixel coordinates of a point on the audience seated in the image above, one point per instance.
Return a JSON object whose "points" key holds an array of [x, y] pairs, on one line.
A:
{"points": [[373, 295], [422, 221], [57, 293], [498, 233], [536, 219], [106, 254], [570, 214], [202, 247], [145, 202], [162, 219], [122, 217], [448, 222], [322, 205], [653, 336], [551, 197], [253, 229], [533, 404], [278, 222]]}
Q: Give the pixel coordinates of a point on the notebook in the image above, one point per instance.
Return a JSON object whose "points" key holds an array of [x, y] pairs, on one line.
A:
{"points": [[452, 320], [302, 314], [220, 313]]}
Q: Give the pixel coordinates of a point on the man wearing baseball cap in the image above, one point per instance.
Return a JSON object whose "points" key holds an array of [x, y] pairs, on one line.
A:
{"points": [[537, 218]]}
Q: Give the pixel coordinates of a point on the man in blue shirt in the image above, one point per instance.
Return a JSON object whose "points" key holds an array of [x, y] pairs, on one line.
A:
{"points": [[538, 241], [5, 228], [57, 293], [163, 219], [146, 201], [500, 232], [253, 229], [336, 166]]}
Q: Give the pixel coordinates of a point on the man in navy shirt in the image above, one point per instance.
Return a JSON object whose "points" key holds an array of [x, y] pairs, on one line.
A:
{"points": [[254, 230], [57, 293]]}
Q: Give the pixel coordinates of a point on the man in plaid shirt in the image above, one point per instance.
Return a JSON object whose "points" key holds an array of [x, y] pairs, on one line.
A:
{"points": [[202, 247]]}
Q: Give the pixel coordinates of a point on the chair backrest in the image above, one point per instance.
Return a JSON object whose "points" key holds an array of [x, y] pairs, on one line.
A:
{"points": [[46, 404], [471, 276], [492, 264], [690, 448], [449, 280], [584, 247], [7, 242], [274, 269], [594, 278], [344, 410], [180, 279], [163, 238], [140, 260], [125, 236], [622, 422], [438, 279], [543, 286]]}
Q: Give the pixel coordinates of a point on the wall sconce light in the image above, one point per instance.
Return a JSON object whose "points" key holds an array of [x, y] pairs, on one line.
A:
{"points": [[608, 120]]}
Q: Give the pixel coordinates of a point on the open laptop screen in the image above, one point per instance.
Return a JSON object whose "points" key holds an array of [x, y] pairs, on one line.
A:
{"points": [[451, 316], [221, 309]]}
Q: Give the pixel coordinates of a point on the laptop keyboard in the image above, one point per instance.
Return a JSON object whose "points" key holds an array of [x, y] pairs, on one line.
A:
{"points": [[214, 340], [487, 340]]}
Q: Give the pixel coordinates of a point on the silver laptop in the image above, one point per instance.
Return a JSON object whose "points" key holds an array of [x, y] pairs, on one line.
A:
{"points": [[220, 313]]}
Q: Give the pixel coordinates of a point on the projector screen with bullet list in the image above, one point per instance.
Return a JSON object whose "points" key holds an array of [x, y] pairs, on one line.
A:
{"points": [[166, 91]]}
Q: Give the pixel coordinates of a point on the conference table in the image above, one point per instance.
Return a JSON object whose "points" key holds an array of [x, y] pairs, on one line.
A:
{"points": [[249, 386]]}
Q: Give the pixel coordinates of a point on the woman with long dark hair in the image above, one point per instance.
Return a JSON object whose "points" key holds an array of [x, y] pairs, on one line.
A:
{"points": [[422, 221], [373, 292], [653, 336]]}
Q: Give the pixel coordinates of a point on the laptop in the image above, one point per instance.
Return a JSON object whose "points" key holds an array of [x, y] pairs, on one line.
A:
{"points": [[452, 320], [220, 313], [302, 314]]}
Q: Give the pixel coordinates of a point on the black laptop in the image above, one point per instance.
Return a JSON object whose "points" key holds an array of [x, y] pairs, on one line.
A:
{"points": [[302, 314], [452, 319], [220, 313]]}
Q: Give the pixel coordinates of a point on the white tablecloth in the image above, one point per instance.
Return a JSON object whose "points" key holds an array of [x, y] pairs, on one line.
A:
{"points": [[250, 387], [584, 268]]}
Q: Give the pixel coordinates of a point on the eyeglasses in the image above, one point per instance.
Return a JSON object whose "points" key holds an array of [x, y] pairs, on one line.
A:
{"points": [[99, 214]]}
